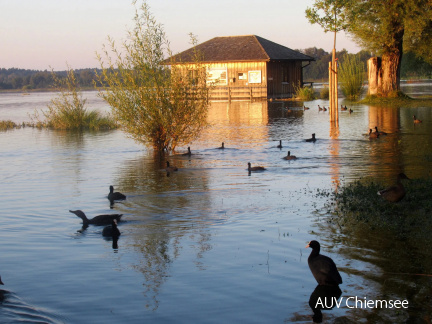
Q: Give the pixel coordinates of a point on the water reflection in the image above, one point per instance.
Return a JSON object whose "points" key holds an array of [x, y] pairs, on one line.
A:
{"points": [[323, 298], [162, 212]]}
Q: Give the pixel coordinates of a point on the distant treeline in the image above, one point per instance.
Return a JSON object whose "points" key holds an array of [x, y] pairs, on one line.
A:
{"points": [[20, 79], [412, 67]]}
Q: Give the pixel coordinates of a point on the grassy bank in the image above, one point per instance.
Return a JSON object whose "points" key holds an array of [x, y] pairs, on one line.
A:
{"points": [[358, 205], [399, 100]]}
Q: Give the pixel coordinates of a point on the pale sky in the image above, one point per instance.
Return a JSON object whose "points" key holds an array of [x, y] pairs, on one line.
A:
{"points": [[37, 34]]}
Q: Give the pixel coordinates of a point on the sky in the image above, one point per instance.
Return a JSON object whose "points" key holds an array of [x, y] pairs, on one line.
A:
{"points": [[45, 34]]}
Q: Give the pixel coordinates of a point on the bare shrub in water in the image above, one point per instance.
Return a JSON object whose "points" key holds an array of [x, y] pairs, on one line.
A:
{"points": [[67, 111], [351, 77], [156, 103]]}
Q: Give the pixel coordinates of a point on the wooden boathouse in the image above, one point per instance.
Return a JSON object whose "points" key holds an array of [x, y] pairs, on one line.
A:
{"points": [[247, 67]]}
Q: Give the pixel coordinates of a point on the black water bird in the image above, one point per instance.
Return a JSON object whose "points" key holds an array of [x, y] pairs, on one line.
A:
{"points": [[255, 168], [379, 132], [289, 156], [222, 147], [373, 134], [115, 195], [97, 220], [188, 153], [111, 230], [312, 139], [322, 267], [170, 168], [1, 282], [280, 144]]}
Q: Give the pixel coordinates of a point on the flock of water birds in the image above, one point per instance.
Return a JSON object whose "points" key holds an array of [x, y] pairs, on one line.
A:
{"points": [[322, 267]]}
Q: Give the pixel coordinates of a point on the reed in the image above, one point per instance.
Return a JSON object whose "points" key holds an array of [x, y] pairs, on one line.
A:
{"points": [[351, 77], [304, 93]]}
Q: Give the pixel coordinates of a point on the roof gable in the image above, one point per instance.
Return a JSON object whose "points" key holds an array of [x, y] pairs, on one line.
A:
{"points": [[241, 48]]}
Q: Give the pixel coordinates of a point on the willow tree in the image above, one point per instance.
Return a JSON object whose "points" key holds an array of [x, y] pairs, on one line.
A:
{"points": [[155, 102], [387, 28]]}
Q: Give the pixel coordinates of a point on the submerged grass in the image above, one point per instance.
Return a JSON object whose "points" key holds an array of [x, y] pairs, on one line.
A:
{"points": [[359, 203], [7, 124], [398, 100]]}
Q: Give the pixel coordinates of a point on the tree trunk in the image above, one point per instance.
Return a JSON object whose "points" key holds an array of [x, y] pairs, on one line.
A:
{"points": [[384, 72]]}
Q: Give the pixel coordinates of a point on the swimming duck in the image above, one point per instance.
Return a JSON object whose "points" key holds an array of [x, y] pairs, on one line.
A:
{"points": [[280, 144], [344, 108], [319, 108], [97, 220], [115, 195], [189, 153], [416, 121], [396, 192], [255, 168], [170, 168], [111, 230], [350, 110], [305, 108], [324, 108], [373, 135], [289, 156], [379, 132], [322, 267], [312, 139], [222, 147]]}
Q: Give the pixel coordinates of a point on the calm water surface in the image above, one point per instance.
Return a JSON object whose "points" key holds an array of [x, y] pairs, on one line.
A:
{"points": [[210, 243]]}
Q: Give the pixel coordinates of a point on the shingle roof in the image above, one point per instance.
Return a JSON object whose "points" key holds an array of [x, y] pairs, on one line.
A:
{"points": [[241, 48]]}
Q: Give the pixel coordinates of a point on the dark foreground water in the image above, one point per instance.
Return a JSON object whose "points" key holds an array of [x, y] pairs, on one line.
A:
{"points": [[210, 243]]}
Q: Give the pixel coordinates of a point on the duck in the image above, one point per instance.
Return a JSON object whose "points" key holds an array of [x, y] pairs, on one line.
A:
{"points": [[305, 108], [222, 147], [188, 153], [379, 132], [319, 108], [373, 135], [351, 111], [396, 192], [324, 108], [255, 168], [416, 121], [322, 267], [344, 108], [97, 220], [280, 144], [312, 139], [115, 195], [111, 230], [170, 168], [1, 282], [289, 156]]}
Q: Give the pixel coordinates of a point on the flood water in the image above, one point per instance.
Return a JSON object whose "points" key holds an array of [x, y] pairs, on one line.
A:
{"points": [[211, 243]]}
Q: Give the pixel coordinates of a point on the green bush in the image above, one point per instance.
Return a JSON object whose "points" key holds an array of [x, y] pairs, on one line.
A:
{"points": [[325, 93], [351, 74], [304, 93], [67, 111]]}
